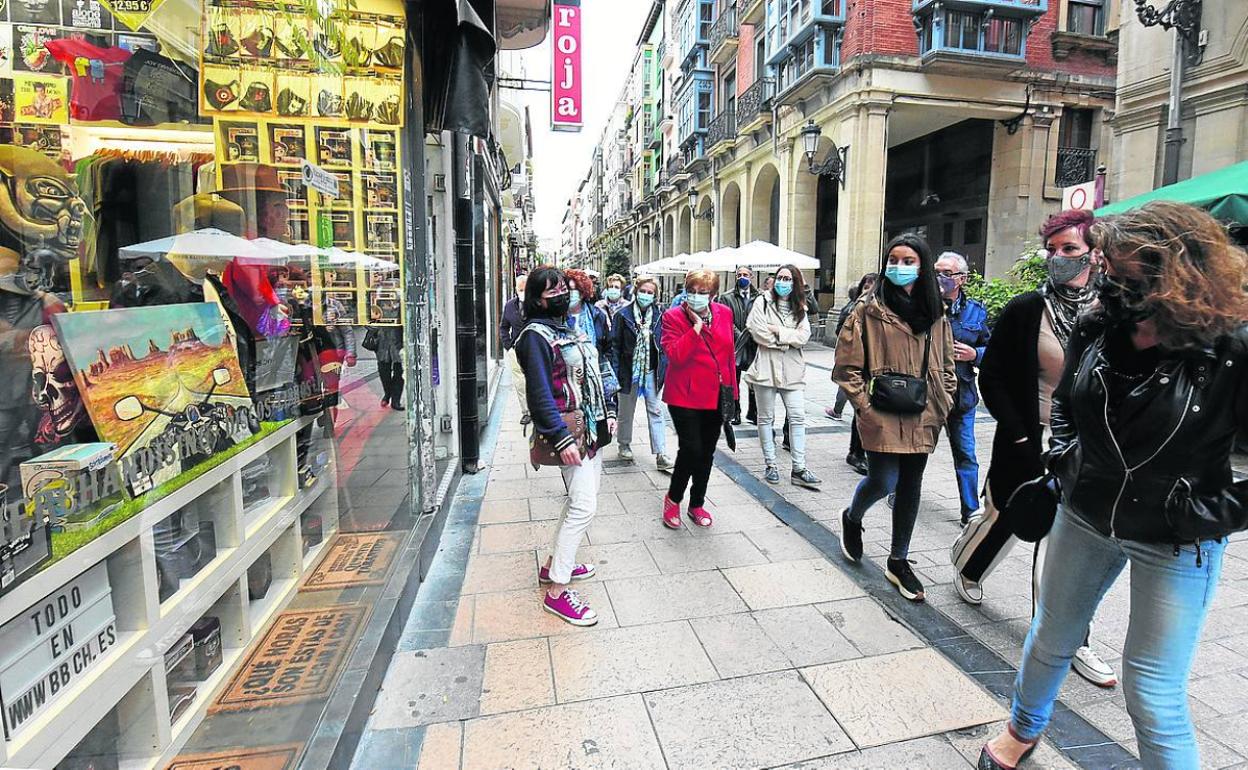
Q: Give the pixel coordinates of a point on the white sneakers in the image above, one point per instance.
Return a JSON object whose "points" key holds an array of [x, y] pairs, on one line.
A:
{"points": [[1089, 665], [971, 592]]}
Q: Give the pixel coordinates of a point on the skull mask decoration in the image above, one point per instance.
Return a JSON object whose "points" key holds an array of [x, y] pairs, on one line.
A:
{"points": [[42, 219], [52, 386]]}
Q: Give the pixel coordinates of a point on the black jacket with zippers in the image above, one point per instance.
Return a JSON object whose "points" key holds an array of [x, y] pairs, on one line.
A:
{"points": [[1158, 470]]}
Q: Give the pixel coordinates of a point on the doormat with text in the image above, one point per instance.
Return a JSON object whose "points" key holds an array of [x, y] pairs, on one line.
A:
{"points": [[265, 758], [355, 560], [298, 659]]}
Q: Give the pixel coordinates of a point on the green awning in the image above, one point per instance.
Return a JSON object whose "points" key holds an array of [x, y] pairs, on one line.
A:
{"points": [[1224, 193]]}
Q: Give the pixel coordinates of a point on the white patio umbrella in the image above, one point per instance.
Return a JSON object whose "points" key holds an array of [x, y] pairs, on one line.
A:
{"points": [[763, 255], [209, 244]]}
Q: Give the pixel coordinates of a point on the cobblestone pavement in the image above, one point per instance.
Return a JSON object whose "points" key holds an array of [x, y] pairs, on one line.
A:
{"points": [[743, 646]]}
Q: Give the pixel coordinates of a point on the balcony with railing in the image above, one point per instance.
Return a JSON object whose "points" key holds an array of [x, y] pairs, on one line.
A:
{"points": [[754, 106], [722, 131], [792, 22], [1075, 165], [975, 30], [753, 11], [724, 35]]}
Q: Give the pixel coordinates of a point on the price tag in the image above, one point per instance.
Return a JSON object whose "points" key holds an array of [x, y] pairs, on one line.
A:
{"points": [[320, 180]]}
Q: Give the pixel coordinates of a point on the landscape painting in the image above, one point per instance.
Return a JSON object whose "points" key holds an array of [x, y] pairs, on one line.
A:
{"points": [[162, 383]]}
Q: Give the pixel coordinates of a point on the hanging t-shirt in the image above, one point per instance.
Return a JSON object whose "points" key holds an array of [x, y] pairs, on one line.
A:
{"points": [[97, 75]]}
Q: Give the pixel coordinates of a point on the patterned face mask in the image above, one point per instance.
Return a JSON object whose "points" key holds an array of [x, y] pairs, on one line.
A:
{"points": [[291, 104], [220, 95], [259, 98], [359, 108], [329, 105]]}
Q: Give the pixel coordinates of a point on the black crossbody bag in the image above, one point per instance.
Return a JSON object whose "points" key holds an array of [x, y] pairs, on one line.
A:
{"points": [[727, 405], [894, 392]]}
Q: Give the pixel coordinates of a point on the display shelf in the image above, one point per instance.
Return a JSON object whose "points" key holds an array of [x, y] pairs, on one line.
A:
{"points": [[58, 574], [130, 676]]}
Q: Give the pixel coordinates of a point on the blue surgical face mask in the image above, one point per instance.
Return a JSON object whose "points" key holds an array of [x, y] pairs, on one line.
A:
{"points": [[902, 275], [698, 302], [743, 282], [613, 294], [783, 288], [644, 298], [574, 298]]}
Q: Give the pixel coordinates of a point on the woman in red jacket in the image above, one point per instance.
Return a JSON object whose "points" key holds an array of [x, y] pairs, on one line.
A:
{"points": [[699, 340]]}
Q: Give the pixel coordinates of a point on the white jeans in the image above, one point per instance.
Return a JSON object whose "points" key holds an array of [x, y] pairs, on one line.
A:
{"points": [[654, 418], [795, 410], [583, 482], [517, 381]]}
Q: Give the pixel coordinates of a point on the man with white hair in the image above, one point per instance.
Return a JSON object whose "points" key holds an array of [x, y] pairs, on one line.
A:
{"points": [[969, 319]]}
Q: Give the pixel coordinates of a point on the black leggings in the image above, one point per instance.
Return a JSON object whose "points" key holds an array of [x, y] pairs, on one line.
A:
{"points": [[697, 431], [391, 375]]}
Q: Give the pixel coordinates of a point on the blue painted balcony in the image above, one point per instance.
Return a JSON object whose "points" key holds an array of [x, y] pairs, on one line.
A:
{"points": [[790, 23], [692, 29], [975, 30]]}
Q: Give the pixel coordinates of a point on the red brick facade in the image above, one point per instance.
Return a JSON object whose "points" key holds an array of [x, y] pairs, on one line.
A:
{"points": [[745, 58], [886, 27]]}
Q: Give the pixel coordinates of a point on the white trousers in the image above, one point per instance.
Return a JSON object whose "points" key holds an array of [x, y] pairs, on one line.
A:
{"points": [[583, 482], [517, 381]]}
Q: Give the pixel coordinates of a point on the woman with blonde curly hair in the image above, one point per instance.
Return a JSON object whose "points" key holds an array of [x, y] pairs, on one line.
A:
{"points": [[1143, 419]]}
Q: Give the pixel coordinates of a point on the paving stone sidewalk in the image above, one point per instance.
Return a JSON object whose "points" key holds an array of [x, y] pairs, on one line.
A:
{"points": [[737, 647]]}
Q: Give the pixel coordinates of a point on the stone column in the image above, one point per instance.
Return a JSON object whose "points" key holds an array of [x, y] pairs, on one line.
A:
{"points": [[860, 213], [799, 200]]}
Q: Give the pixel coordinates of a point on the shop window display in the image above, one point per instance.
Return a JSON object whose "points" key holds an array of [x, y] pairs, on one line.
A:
{"points": [[200, 219]]}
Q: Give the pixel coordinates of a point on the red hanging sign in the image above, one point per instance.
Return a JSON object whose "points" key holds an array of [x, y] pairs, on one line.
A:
{"points": [[565, 81]]}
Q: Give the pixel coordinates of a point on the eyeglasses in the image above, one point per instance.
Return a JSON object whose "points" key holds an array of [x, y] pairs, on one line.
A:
{"points": [[950, 274]]}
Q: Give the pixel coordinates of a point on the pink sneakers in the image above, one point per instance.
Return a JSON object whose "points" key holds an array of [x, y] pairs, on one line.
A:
{"points": [[571, 607], [579, 572]]}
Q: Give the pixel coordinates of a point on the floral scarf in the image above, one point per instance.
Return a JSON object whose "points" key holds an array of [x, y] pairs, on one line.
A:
{"points": [[584, 385], [641, 352], [585, 323]]}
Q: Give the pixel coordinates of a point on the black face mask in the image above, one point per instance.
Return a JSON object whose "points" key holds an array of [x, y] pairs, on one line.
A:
{"points": [[1121, 303], [557, 306]]}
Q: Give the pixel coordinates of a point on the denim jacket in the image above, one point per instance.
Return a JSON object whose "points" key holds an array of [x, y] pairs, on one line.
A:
{"points": [[969, 320]]}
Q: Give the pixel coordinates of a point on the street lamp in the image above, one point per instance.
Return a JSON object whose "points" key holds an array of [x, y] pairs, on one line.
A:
{"points": [[834, 164], [693, 207], [1183, 16]]}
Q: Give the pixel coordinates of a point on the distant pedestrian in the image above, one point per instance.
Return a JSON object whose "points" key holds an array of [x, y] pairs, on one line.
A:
{"points": [[388, 338], [1144, 418], [1021, 366], [900, 331], [968, 319], [780, 325], [575, 416], [613, 300], [641, 365], [740, 300], [509, 329], [857, 457], [699, 340]]}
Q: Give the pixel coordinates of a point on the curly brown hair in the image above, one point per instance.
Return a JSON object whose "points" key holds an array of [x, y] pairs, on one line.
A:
{"points": [[1194, 280], [580, 280]]}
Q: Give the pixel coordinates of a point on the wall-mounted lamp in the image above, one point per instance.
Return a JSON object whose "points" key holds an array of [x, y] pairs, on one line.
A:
{"points": [[693, 207], [834, 164]]}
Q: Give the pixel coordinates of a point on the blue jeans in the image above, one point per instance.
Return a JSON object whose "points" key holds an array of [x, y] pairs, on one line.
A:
{"points": [[1170, 596], [887, 474], [962, 442], [654, 418]]}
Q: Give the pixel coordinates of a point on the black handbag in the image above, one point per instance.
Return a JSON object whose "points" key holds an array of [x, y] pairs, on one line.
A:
{"points": [[1030, 511], [894, 392], [370, 340], [727, 405]]}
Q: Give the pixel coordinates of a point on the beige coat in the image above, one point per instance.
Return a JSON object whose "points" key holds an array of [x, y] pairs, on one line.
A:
{"points": [[780, 363], [895, 348]]}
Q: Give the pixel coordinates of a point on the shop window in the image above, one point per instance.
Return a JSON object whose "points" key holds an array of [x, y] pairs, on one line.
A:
{"points": [[200, 263]]}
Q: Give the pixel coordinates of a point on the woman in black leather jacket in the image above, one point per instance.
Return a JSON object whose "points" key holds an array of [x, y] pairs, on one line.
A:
{"points": [[1144, 420]]}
